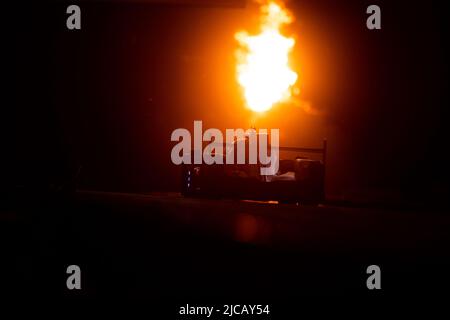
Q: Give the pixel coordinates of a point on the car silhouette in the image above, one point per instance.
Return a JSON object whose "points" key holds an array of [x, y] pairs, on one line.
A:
{"points": [[298, 180]]}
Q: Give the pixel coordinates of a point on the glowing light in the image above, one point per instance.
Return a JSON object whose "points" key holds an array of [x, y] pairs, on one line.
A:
{"points": [[263, 60]]}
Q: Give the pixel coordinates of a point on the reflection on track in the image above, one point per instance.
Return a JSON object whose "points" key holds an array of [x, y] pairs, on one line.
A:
{"points": [[321, 228]]}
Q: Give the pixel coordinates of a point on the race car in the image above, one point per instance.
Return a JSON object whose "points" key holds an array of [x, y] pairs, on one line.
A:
{"points": [[298, 180]]}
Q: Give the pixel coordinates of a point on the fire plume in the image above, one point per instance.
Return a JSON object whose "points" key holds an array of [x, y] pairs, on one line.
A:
{"points": [[263, 60]]}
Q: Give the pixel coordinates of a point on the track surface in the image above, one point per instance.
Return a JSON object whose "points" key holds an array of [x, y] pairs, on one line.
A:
{"points": [[165, 246]]}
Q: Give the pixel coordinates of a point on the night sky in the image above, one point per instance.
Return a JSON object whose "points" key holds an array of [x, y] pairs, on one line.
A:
{"points": [[107, 97]]}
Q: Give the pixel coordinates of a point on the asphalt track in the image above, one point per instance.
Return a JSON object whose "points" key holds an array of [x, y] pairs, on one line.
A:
{"points": [[165, 246]]}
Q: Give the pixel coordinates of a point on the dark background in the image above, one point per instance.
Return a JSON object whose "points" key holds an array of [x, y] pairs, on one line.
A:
{"points": [[108, 96], [106, 99]]}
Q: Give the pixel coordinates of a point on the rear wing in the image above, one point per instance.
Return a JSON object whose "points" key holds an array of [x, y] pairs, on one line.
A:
{"points": [[322, 150]]}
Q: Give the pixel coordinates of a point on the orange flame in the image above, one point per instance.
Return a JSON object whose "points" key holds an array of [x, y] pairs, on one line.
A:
{"points": [[263, 67]]}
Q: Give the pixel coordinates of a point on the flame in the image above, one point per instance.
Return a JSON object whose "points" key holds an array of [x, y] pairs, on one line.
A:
{"points": [[263, 65]]}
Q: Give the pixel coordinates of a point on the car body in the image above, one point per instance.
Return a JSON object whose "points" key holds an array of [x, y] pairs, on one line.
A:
{"points": [[298, 180]]}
